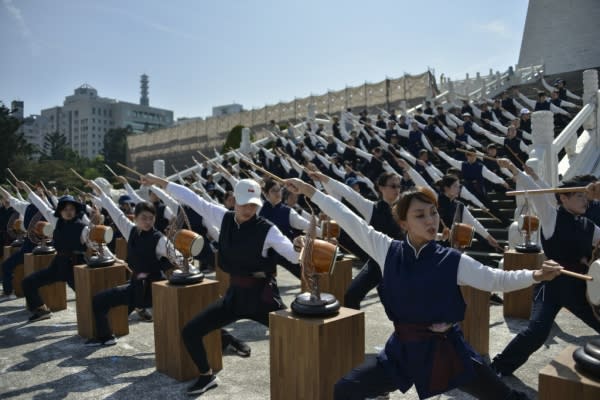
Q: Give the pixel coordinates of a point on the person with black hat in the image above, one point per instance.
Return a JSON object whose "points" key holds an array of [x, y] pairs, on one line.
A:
{"points": [[567, 237], [70, 238], [247, 244]]}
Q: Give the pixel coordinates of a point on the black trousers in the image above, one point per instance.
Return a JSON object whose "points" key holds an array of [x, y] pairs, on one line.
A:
{"points": [[368, 278], [549, 298], [59, 270], [253, 303], [370, 379]]}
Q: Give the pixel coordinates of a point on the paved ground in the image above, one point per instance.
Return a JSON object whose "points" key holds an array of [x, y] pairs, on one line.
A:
{"points": [[47, 359]]}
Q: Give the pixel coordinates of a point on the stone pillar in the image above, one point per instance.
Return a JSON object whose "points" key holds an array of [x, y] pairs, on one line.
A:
{"points": [[158, 168], [245, 145], [542, 127], [590, 96], [451, 94]]}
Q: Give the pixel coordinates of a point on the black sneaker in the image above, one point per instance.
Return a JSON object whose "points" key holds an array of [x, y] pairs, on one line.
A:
{"points": [[241, 348], [496, 300], [40, 314], [204, 383], [109, 341]]}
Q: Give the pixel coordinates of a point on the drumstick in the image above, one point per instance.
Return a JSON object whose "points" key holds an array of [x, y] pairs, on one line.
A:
{"points": [[515, 155], [111, 170], [477, 154], [549, 190], [79, 176], [12, 175], [264, 171], [133, 171], [576, 275]]}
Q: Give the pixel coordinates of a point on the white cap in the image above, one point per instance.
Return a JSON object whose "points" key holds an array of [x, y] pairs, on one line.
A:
{"points": [[524, 111], [247, 191]]}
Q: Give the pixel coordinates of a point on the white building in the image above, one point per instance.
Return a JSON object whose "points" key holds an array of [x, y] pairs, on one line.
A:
{"points": [[227, 110], [32, 126], [84, 118]]}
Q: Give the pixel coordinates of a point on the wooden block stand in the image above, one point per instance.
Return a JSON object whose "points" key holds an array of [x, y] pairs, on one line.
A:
{"points": [[338, 282], [121, 248], [90, 281], [309, 355], [53, 295], [517, 304], [173, 307], [560, 380], [476, 325], [18, 273]]}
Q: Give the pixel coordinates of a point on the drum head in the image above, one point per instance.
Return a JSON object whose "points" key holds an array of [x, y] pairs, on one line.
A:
{"points": [[48, 230], [593, 286], [197, 246]]}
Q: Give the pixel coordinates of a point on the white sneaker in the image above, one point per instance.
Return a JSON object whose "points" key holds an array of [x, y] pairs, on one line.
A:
{"points": [[7, 297]]}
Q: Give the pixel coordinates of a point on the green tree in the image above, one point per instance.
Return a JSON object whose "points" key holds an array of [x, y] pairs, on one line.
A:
{"points": [[13, 144], [115, 146], [56, 147]]}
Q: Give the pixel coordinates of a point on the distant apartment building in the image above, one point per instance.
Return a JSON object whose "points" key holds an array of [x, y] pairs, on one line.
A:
{"points": [[227, 109], [31, 127], [84, 118]]}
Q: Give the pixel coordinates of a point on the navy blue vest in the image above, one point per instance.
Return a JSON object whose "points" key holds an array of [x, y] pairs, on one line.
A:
{"points": [[383, 220], [30, 212], [414, 142], [544, 105], [571, 240], [279, 215], [67, 236], [141, 253], [421, 289], [161, 222], [447, 209], [472, 172], [240, 246], [468, 126]]}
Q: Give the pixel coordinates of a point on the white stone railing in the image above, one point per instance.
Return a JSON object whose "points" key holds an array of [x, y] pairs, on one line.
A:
{"points": [[582, 151]]}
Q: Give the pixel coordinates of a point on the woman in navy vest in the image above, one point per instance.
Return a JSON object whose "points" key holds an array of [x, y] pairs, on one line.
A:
{"points": [[377, 214], [27, 211], [146, 257], [567, 238], [70, 234], [283, 217], [420, 294], [247, 244]]}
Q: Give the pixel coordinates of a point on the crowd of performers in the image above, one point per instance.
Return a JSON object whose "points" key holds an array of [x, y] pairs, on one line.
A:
{"points": [[374, 176]]}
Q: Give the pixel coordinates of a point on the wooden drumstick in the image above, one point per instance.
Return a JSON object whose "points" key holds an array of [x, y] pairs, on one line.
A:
{"points": [[264, 171], [515, 155], [79, 176], [549, 190], [12, 175], [111, 170], [477, 154], [576, 275], [133, 171]]}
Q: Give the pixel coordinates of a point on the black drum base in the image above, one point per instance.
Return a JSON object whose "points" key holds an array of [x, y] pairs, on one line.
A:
{"points": [[43, 250], [100, 261], [17, 243], [326, 306], [186, 278], [587, 362], [528, 248]]}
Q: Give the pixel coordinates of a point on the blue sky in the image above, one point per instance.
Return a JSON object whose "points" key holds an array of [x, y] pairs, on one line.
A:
{"points": [[199, 54]]}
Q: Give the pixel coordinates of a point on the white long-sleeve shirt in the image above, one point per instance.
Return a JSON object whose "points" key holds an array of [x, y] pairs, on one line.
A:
{"points": [[376, 245], [546, 210], [125, 226], [48, 213], [487, 174], [214, 214]]}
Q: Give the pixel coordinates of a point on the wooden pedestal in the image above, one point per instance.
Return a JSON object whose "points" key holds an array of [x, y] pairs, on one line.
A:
{"points": [[90, 281], [174, 306], [53, 295], [309, 355], [121, 248], [337, 283], [476, 325], [517, 304], [18, 273], [560, 380]]}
